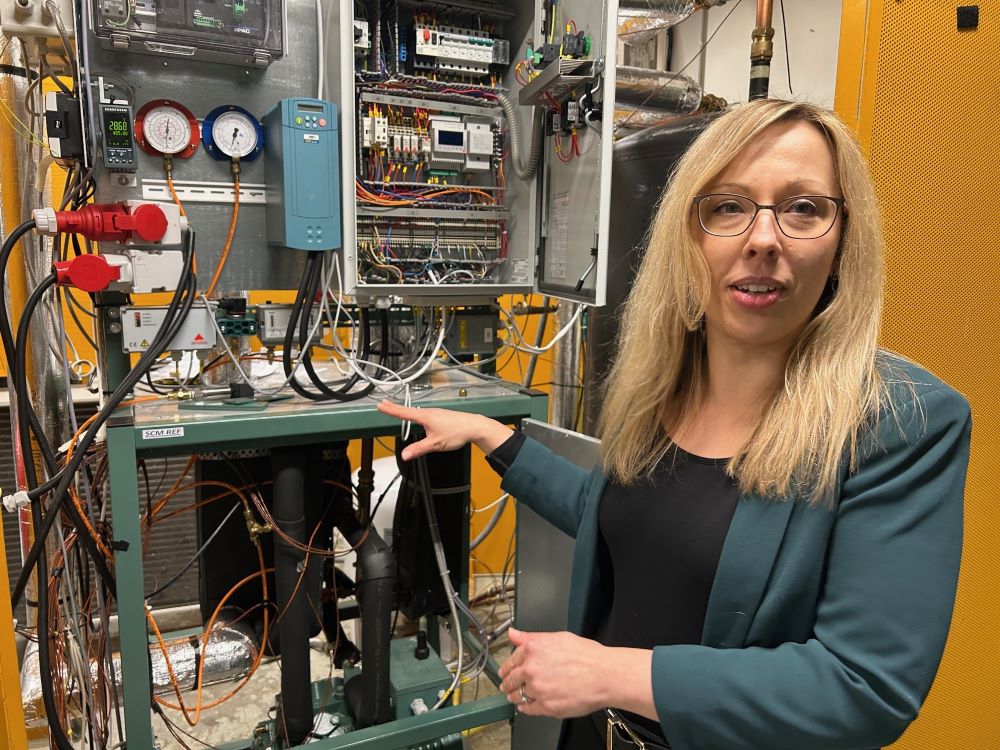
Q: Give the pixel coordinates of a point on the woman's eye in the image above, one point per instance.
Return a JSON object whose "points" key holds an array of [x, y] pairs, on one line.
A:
{"points": [[802, 207], [728, 207]]}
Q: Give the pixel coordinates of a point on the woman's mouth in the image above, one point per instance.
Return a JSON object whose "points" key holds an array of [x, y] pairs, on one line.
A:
{"points": [[756, 296]]}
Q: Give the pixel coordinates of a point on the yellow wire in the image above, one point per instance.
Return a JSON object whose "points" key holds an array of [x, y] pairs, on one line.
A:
{"points": [[28, 134]]}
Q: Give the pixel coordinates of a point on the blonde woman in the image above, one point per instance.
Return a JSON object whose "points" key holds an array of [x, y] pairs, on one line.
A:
{"points": [[767, 557]]}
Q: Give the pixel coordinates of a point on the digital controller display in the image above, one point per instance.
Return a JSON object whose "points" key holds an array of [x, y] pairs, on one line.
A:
{"points": [[117, 129]]}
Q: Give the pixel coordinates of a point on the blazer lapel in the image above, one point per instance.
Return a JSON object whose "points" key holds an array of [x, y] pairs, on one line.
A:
{"points": [[748, 554]]}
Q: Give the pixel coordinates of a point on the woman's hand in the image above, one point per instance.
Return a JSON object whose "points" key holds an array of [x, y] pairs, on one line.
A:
{"points": [[564, 675], [555, 674], [447, 430]]}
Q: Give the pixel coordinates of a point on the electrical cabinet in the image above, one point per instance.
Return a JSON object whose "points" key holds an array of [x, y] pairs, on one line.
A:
{"points": [[446, 203]]}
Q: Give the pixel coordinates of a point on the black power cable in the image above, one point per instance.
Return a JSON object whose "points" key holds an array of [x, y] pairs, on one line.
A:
{"points": [[57, 732], [177, 310], [311, 283], [25, 411]]}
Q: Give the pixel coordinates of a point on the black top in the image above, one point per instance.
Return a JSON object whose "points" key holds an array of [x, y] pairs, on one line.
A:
{"points": [[662, 539]]}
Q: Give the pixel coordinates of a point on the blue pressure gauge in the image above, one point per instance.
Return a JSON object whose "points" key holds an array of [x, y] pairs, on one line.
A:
{"points": [[230, 132]]}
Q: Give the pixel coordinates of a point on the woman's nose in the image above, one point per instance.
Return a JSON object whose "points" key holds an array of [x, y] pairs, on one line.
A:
{"points": [[764, 235]]}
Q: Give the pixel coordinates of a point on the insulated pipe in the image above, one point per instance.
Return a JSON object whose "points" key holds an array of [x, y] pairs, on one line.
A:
{"points": [[369, 693], [761, 51], [656, 90], [295, 717]]}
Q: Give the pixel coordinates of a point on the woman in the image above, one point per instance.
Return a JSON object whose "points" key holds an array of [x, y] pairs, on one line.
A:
{"points": [[767, 557]]}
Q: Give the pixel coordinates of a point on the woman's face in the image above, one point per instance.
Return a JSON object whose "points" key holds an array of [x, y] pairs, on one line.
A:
{"points": [[765, 285]]}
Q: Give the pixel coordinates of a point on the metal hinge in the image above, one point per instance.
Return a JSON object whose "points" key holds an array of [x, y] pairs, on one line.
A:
{"points": [[261, 59], [120, 41]]}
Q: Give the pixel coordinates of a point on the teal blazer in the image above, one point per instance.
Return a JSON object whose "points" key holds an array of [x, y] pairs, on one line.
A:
{"points": [[825, 626]]}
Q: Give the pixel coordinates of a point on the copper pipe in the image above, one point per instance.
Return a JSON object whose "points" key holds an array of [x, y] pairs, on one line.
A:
{"points": [[764, 12]]}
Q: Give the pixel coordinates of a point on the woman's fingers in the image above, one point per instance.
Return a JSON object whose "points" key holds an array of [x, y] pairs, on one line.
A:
{"points": [[418, 449], [408, 413]]}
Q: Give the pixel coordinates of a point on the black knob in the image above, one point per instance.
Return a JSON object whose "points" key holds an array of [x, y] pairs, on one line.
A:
{"points": [[422, 651]]}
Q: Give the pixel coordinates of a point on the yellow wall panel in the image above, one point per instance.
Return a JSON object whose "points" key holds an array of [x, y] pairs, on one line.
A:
{"points": [[928, 119]]}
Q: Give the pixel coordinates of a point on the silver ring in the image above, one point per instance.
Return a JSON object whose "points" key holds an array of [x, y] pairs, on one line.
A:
{"points": [[525, 698]]}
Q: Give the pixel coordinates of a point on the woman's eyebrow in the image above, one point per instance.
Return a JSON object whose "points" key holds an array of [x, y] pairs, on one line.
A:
{"points": [[806, 185]]}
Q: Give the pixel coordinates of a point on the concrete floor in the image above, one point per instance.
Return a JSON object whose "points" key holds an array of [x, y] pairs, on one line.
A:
{"points": [[236, 718], [239, 715]]}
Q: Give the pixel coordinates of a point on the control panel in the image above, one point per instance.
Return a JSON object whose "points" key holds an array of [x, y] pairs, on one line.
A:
{"points": [[302, 172]]}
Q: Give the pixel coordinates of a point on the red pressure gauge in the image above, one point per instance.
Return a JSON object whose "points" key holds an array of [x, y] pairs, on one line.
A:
{"points": [[164, 127]]}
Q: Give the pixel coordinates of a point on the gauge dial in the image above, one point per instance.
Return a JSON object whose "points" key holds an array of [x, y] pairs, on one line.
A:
{"points": [[230, 132], [168, 128]]}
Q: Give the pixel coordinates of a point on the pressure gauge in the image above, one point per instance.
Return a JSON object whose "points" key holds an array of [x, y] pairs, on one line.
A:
{"points": [[164, 127], [230, 132]]}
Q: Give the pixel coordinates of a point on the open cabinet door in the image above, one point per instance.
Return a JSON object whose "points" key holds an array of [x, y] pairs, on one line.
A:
{"points": [[574, 181]]}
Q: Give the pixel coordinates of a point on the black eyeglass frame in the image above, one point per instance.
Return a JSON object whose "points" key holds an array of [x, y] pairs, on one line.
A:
{"points": [[840, 203]]}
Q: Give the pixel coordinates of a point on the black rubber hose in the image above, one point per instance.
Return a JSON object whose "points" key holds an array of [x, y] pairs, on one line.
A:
{"points": [[295, 718], [172, 322]]}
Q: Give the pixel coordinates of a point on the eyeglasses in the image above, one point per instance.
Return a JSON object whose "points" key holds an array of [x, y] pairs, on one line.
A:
{"points": [[801, 217]]}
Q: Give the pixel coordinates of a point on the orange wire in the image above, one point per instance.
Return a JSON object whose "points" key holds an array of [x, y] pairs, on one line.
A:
{"points": [[199, 707], [229, 238]]}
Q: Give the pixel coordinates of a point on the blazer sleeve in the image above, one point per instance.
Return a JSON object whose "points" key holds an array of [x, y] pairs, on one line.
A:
{"points": [[882, 618], [556, 489]]}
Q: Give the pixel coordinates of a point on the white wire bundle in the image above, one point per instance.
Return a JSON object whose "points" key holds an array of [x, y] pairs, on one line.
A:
{"points": [[527, 348]]}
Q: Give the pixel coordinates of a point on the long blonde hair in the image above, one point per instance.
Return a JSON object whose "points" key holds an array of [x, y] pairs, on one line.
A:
{"points": [[832, 387]]}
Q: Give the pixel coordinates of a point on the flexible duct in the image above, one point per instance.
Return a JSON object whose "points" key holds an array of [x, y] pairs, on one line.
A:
{"points": [[523, 171], [231, 651], [641, 20], [656, 90]]}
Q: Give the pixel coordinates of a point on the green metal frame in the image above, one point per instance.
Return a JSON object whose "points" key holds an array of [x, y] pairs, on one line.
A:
{"points": [[161, 429]]}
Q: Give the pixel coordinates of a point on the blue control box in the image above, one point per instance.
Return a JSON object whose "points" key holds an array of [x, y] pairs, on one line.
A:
{"points": [[302, 170]]}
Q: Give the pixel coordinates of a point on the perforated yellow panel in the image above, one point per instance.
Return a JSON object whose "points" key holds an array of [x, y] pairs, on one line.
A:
{"points": [[928, 113]]}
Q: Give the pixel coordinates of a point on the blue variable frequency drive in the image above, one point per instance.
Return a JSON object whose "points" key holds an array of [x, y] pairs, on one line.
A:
{"points": [[302, 170]]}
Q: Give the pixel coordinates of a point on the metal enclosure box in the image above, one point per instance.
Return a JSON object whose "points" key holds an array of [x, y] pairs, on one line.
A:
{"points": [[414, 678], [236, 32], [302, 173]]}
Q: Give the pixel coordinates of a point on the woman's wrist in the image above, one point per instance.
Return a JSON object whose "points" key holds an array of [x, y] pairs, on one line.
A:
{"points": [[629, 681], [488, 434]]}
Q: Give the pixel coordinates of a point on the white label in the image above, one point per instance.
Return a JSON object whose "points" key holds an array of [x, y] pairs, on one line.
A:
{"points": [[519, 271], [159, 433], [487, 335], [558, 245], [310, 138]]}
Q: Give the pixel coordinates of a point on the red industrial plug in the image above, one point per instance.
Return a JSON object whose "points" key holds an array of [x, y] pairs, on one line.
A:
{"points": [[90, 273], [112, 222]]}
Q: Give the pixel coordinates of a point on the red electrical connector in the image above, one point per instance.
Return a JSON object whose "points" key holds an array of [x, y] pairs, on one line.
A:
{"points": [[89, 273], [112, 222]]}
